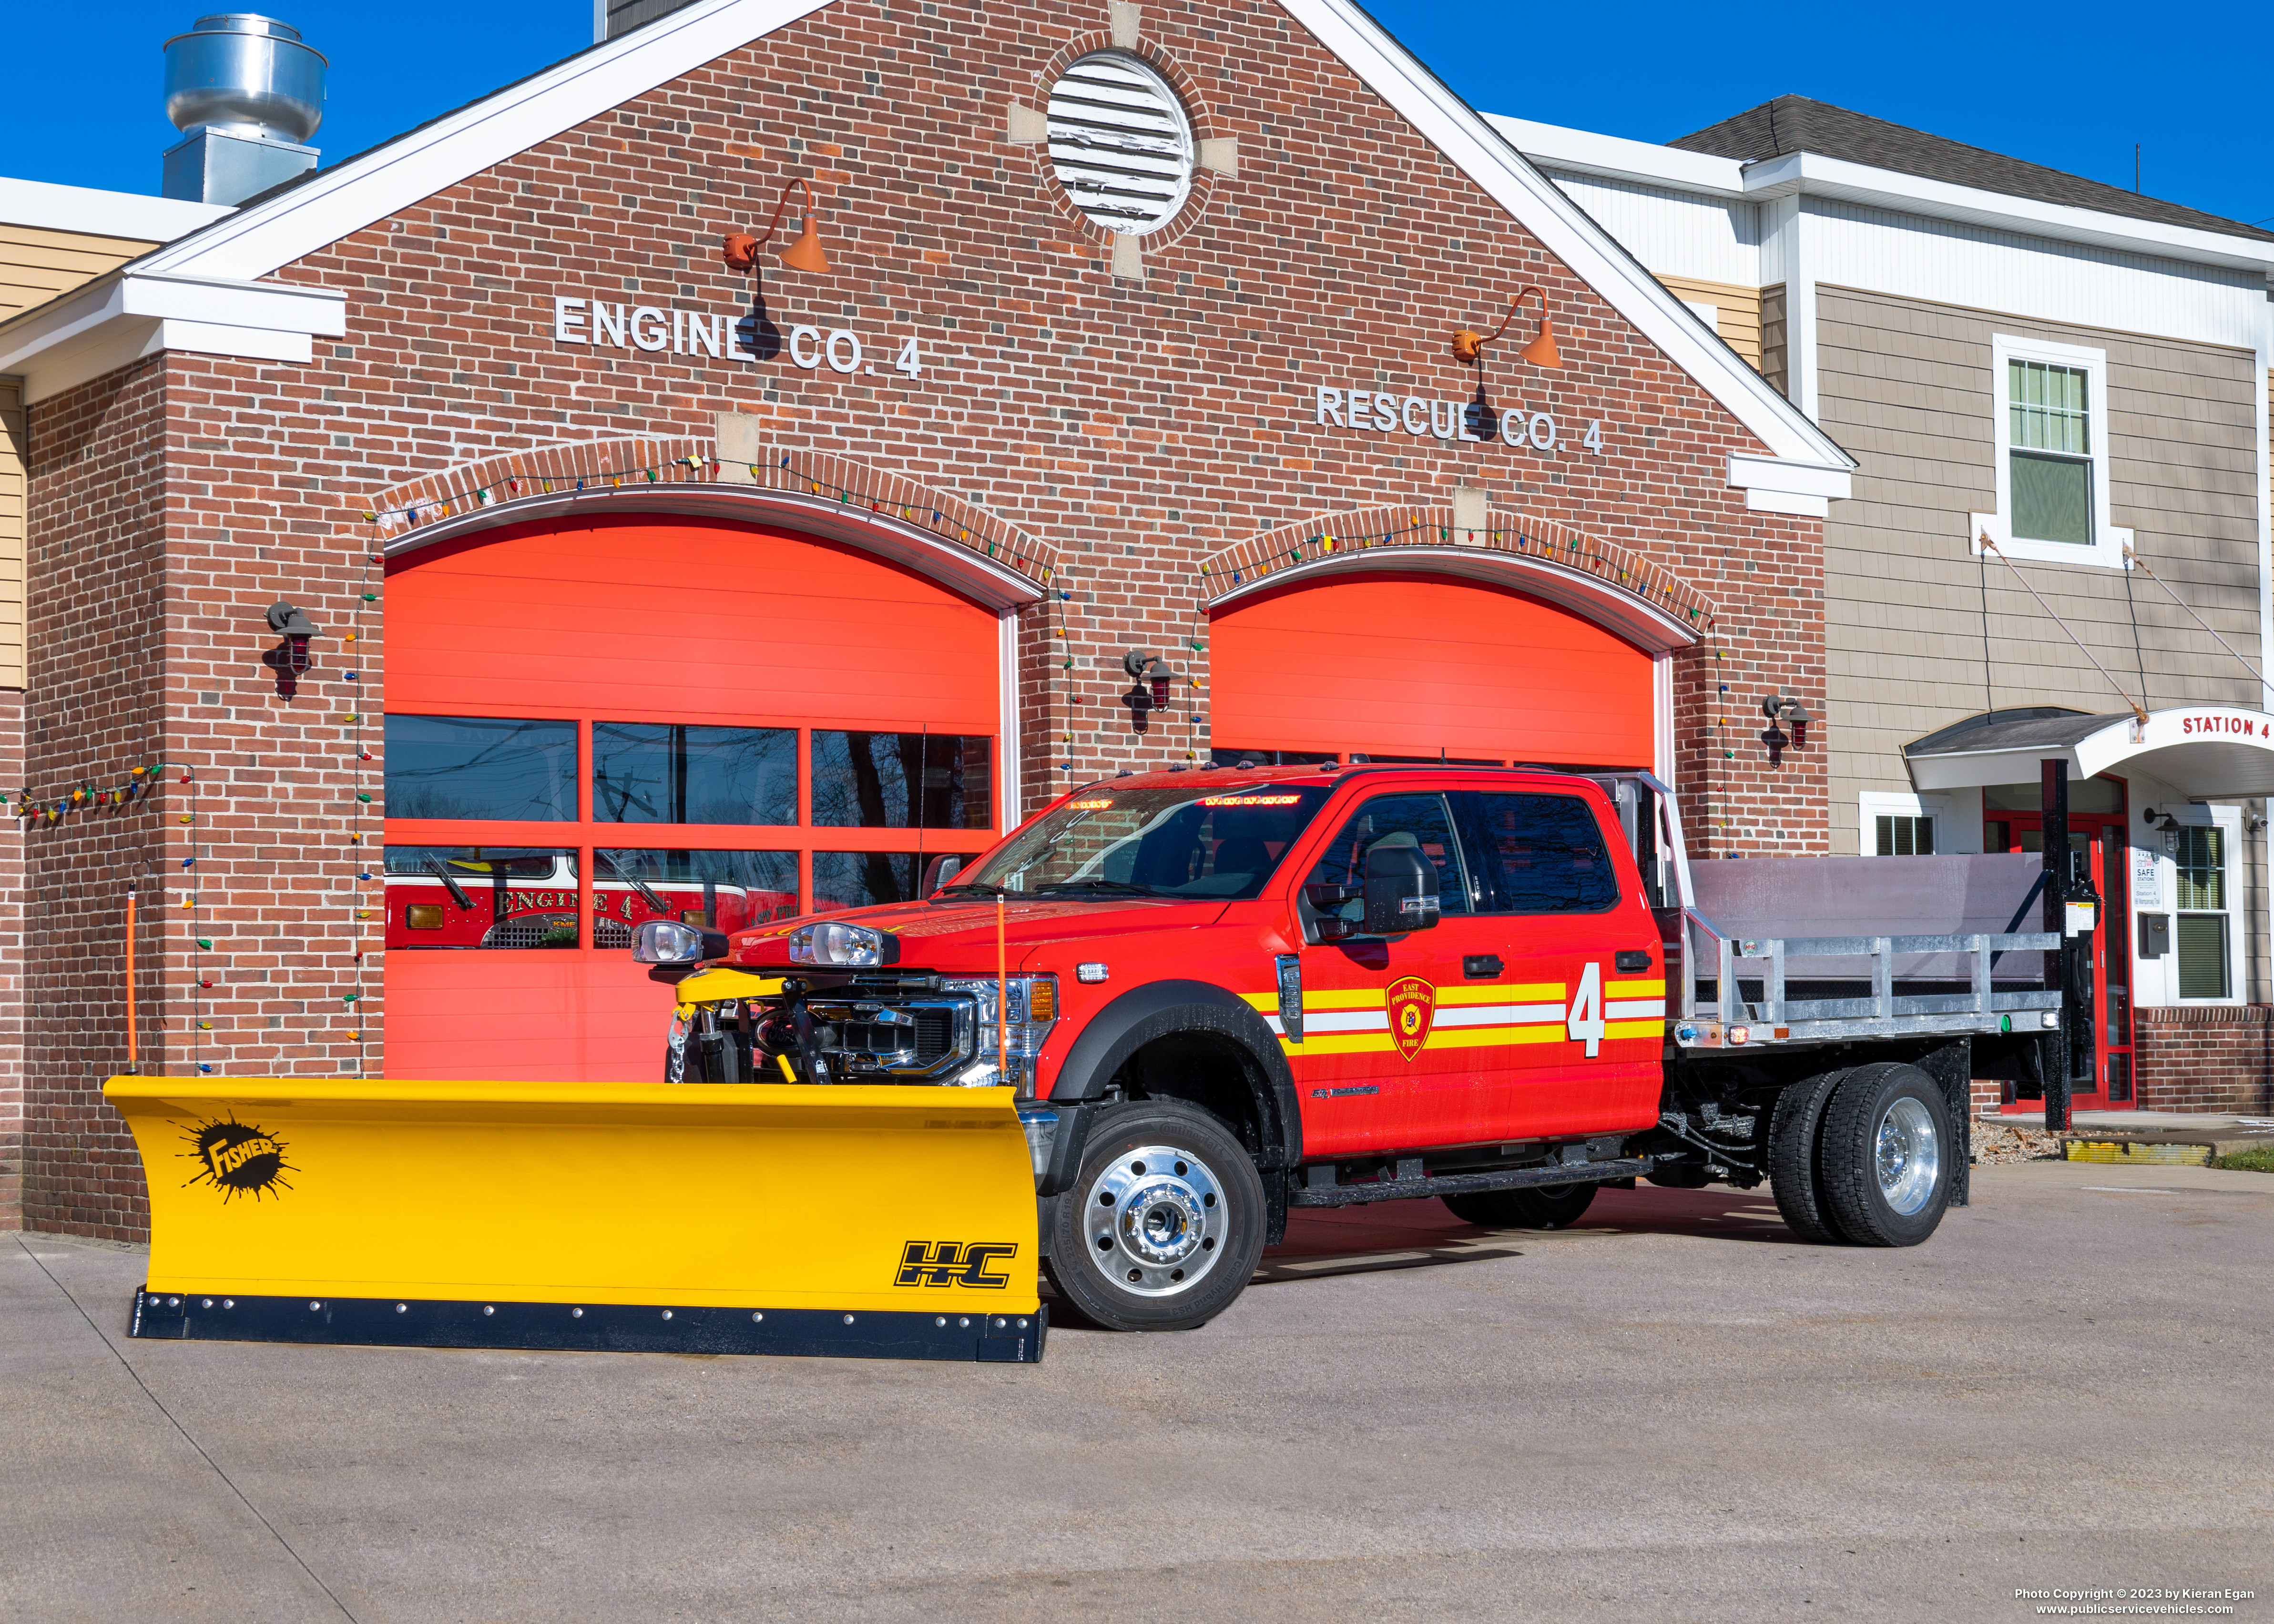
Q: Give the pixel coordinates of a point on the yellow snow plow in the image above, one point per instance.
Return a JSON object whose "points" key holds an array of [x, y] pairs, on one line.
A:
{"points": [[858, 1221]]}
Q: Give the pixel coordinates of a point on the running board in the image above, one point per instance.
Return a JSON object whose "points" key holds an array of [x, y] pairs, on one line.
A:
{"points": [[1468, 1184]]}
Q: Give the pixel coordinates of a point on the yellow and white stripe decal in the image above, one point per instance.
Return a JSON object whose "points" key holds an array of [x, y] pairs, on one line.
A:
{"points": [[1356, 1020]]}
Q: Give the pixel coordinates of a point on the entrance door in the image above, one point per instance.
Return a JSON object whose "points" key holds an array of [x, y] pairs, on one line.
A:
{"points": [[2100, 1074]]}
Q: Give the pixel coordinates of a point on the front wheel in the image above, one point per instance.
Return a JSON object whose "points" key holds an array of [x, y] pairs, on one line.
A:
{"points": [[1886, 1156], [1163, 1225], [1537, 1206]]}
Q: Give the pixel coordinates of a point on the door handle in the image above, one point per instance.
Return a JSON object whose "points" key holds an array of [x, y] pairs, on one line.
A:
{"points": [[1481, 967], [1634, 961]]}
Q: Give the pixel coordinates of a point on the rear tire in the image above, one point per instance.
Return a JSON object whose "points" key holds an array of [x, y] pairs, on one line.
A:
{"points": [[1796, 1129], [1163, 1226], [1887, 1154], [1541, 1206]]}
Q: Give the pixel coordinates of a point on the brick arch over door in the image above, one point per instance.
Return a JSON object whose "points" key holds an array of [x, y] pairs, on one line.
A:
{"points": [[1387, 663], [655, 627]]}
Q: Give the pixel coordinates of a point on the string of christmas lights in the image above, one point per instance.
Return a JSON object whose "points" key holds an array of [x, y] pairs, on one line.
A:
{"points": [[87, 797], [686, 469], [1578, 549], [201, 978]]}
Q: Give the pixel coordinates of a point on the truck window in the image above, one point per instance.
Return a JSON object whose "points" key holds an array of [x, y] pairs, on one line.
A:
{"points": [[1542, 854], [1202, 841], [1398, 820]]}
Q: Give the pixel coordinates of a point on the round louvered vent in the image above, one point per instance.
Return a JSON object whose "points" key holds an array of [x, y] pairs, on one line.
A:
{"points": [[1120, 142]]}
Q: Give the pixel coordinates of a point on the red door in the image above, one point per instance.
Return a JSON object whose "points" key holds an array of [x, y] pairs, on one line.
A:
{"points": [[2100, 1073]]}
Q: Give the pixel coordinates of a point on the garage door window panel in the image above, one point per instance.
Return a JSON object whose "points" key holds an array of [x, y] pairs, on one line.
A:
{"points": [[649, 772], [491, 769], [720, 891], [875, 780], [493, 896]]}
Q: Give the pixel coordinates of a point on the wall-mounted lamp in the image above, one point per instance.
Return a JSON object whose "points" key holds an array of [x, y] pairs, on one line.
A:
{"points": [[2162, 822], [1782, 711], [1468, 348], [1149, 677], [740, 250], [289, 659]]}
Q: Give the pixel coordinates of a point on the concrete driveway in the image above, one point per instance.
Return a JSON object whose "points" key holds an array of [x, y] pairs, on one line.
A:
{"points": [[1672, 1412]]}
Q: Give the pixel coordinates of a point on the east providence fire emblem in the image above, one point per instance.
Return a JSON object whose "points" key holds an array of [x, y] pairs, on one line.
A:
{"points": [[1412, 1005]]}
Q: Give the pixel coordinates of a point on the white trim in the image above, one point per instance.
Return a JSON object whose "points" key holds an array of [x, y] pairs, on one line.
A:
{"points": [[406, 172], [1622, 613], [259, 240], [1663, 753], [2229, 821], [135, 312], [1814, 175], [2109, 541], [1484, 153], [1007, 763], [127, 215], [1874, 804]]}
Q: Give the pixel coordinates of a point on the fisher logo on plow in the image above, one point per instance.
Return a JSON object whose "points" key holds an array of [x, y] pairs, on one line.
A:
{"points": [[953, 1263], [1412, 1005], [238, 1159]]}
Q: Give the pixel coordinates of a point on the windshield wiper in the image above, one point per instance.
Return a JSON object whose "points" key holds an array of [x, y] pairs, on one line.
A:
{"points": [[976, 891], [647, 893], [458, 891], [1120, 887]]}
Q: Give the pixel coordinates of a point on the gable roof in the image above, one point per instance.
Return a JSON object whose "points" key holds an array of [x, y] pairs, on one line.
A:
{"points": [[1795, 124], [297, 220]]}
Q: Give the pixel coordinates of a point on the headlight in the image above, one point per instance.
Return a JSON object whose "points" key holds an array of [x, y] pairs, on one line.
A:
{"points": [[855, 947], [667, 941], [1033, 1013]]}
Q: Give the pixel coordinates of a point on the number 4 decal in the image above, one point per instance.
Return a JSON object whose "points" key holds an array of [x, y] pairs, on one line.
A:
{"points": [[1586, 1018], [909, 361]]}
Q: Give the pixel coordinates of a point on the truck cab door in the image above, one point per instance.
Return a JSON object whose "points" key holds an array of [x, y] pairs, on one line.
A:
{"points": [[1380, 1065], [1584, 994]]}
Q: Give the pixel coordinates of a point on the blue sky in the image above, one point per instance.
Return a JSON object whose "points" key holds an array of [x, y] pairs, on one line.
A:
{"points": [[2089, 80]]}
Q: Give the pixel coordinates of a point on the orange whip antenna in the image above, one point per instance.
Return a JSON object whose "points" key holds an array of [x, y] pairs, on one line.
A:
{"points": [[133, 1041], [1002, 994]]}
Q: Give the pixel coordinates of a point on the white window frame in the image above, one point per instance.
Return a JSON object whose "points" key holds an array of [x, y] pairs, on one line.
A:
{"points": [[2109, 542], [2228, 820], [1872, 805]]}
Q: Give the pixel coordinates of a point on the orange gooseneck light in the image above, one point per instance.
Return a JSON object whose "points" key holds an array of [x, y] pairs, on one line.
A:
{"points": [[1468, 348], [740, 250]]}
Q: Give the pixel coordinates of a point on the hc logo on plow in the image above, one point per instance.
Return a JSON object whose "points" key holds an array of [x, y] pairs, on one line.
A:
{"points": [[954, 1263]]}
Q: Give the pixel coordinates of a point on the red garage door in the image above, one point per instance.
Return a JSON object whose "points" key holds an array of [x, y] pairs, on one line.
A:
{"points": [[1396, 666], [588, 727]]}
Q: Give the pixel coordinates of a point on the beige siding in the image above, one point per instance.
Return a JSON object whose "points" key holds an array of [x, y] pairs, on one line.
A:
{"points": [[1737, 311], [12, 450], [1907, 388], [36, 265], [1773, 363]]}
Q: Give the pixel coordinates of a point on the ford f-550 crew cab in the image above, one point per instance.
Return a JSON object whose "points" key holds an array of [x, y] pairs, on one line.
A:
{"points": [[1224, 993]]}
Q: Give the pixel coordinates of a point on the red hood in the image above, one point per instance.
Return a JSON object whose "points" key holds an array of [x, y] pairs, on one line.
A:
{"points": [[958, 937]]}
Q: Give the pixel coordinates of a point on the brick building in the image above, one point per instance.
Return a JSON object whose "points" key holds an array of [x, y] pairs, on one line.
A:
{"points": [[640, 582]]}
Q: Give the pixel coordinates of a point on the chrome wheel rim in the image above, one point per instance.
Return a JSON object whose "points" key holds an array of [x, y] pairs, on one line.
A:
{"points": [[1154, 1218], [1907, 1156]]}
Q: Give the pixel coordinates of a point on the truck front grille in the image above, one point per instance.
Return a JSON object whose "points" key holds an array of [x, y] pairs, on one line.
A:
{"points": [[918, 1038]]}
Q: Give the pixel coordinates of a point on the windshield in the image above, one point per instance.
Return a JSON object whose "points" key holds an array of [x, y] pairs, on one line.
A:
{"points": [[1204, 841]]}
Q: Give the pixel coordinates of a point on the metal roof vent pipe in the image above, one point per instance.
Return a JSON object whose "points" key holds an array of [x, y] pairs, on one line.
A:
{"points": [[247, 95]]}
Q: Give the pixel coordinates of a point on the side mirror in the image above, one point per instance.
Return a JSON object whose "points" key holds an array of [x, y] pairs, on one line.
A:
{"points": [[939, 872], [1401, 890]]}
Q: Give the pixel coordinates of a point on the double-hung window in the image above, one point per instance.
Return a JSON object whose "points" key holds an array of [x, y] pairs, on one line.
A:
{"points": [[2050, 406], [2202, 936]]}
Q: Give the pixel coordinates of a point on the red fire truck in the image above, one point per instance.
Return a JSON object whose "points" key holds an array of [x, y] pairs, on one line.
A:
{"points": [[1224, 993]]}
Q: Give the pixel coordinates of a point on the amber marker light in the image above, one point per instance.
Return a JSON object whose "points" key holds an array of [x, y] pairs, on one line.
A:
{"points": [[740, 250], [1468, 348]]}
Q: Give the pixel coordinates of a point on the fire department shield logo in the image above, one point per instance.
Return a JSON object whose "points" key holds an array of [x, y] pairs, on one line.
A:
{"points": [[1412, 1005]]}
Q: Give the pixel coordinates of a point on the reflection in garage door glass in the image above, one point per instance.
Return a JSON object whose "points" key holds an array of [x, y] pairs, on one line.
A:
{"points": [[901, 781], [474, 896], [721, 891], [665, 773], [481, 767]]}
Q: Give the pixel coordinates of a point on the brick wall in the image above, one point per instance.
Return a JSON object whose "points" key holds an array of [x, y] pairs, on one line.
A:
{"points": [[1140, 427], [2206, 1059]]}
